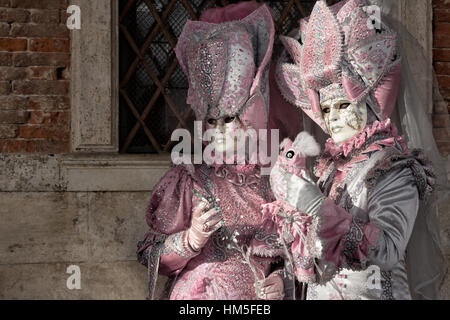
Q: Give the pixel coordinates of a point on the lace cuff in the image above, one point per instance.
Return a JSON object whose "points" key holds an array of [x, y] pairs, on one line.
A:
{"points": [[178, 244]]}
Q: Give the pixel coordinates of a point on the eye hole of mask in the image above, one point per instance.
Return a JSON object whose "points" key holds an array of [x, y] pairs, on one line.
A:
{"points": [[229, 119], [326, 110], [290, 154], [344, 106], [212, 121]]}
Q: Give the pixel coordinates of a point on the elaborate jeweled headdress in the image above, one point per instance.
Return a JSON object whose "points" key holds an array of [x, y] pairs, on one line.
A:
{"points": [[227, 65], [338, 51]]}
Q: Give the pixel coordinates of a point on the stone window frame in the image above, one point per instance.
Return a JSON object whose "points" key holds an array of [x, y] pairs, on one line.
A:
{"points": [[95, 164]]}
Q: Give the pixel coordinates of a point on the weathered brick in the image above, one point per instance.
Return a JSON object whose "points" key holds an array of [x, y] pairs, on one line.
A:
{"points": [[18, 146], [440, 107], [5, 87], [441, 134], [11, 73], [13, 117], [4, 3], [444, 147], [28, 59], [59, 118], [8, 131], [41, 87], [441, 55], [441, 15], [444, 81], [45, 16], [33, 4], [441, 4], [441, 120], [53, 146], [4, 29], [44, 132], [35, 58], [50, 45], [11, 102], [31, 132], [42, 73], [445, 93], [14, 15], [442, 68], [63, 16], [9, 44], [5, 59], [64, 73], [49, 103], [39, 30], [441, 41], [440, 35]]}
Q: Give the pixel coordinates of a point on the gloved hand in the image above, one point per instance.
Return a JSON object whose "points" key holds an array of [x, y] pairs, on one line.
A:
{"points": [[290, 180], [205, 222], [303, 194], [272, 288]]}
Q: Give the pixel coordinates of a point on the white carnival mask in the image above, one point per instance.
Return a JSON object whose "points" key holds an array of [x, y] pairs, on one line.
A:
{"points": [[343, 119], [223, 133]]}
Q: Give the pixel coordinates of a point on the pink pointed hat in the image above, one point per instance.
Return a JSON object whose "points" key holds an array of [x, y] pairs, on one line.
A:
{"points": [[227, 63], [340, 53]]}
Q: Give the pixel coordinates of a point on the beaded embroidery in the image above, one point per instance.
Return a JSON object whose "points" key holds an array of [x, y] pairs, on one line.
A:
{"points": [[386, 284], [352, 242], [178, 243]]}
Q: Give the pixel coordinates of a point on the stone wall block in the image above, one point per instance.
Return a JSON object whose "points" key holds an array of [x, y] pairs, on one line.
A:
{"points": [[43, 227]]}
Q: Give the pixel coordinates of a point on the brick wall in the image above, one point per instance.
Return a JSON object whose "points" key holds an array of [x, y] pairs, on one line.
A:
{"points": [[441, 35], [34, 77]]}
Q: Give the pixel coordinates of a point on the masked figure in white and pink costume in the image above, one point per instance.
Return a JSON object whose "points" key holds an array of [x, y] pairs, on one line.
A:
{"points": [[207, 232], [345, 75]]}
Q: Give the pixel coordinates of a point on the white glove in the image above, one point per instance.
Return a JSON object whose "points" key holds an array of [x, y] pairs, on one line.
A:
{"points": [[304, 195], [204, 223], [272, 288]]}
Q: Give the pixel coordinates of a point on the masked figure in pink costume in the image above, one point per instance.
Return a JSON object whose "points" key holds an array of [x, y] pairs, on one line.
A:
{"points": [[207, 232], [345, 75]]}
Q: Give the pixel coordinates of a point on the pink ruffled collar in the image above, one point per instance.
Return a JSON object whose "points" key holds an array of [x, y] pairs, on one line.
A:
{"points": [[385, 127]]}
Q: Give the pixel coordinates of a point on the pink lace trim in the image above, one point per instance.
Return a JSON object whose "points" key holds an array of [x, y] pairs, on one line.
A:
{"points": [[357, 142]]}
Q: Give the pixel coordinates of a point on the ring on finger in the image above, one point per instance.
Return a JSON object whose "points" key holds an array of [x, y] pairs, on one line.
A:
{"points": [[205, 228]]}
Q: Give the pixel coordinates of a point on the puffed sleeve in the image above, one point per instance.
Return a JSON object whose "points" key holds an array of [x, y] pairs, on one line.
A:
{"points": [[341, 240], [164, 248], [393, 208]]}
